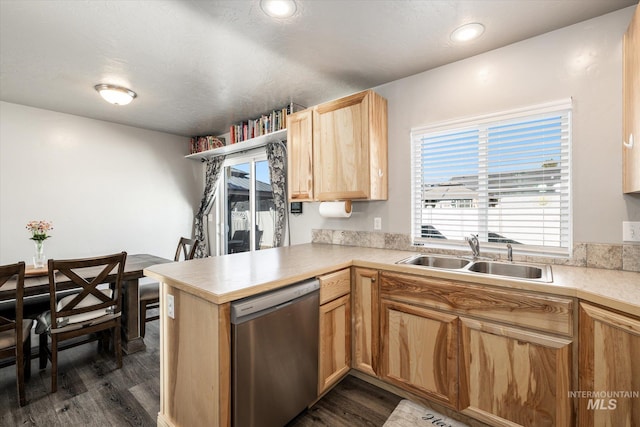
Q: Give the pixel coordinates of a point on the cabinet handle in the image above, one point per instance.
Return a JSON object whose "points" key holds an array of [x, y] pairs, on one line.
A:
{"points": [[630, 143], [373, 279]]}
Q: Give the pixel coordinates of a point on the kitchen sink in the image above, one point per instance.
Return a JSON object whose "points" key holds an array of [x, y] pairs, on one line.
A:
{"points": [[521, 271], [539, 273], [436, 261]]}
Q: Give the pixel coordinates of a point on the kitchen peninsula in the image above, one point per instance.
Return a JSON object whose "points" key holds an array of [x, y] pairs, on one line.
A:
{"points": [[470, 311]]}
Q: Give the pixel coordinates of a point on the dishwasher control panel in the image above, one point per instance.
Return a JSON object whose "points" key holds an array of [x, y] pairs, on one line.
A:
{"points": [[269, 300]]}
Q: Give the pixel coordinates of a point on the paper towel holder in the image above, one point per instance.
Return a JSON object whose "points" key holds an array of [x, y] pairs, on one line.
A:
{"points": [[336, 209]]}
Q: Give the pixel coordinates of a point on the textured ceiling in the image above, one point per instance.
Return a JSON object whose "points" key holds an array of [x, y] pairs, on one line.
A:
{"points": [[199, 66]]}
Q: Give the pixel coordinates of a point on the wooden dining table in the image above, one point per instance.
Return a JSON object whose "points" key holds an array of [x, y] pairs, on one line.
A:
{"points": [[132, 342]]}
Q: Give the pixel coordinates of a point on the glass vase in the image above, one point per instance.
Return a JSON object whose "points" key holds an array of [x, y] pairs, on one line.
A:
{"points": [[39, 259]]}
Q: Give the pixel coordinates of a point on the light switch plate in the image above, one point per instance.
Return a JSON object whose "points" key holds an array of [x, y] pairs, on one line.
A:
{"points": [[377, 223], [171, 308], [631, 231]]}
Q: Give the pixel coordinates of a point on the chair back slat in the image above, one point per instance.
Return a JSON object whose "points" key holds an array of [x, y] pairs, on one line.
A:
{"points": [[14, 272], [186, 248], [88, 287], [104, 270]]}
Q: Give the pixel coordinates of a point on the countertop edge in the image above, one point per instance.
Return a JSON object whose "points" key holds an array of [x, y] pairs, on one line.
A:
{"points": [[249, 291], [569, 286]]}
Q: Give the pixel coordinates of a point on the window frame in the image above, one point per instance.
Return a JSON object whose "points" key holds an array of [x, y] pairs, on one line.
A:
{"points": [[563, 107], [221, 204]]}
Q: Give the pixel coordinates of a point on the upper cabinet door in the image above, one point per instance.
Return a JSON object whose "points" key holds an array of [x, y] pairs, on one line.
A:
{"points": [[350, 148], [631, 107], [300, 155]]}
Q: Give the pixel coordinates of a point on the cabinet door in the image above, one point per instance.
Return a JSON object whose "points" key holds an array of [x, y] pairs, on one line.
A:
{"points": [[365, 320], [631, 107], [419, 351], [300, 155], [335, 342], [350, 148], [609, 362], [511, 376]]}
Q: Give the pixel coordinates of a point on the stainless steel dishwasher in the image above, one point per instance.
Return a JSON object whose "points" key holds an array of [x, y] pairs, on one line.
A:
{"points": [[274, 339]]}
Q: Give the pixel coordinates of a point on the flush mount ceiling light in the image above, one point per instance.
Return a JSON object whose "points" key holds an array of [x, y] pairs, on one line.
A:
{"points": [[467, 32], [278, 8], [115, 94]]}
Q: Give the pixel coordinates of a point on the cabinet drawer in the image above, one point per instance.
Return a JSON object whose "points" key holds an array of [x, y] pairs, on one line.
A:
{"points": [[542, 312], [334, 285]]}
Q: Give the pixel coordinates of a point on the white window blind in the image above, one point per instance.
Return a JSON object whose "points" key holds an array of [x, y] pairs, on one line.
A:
{"points": [[505, 177]]}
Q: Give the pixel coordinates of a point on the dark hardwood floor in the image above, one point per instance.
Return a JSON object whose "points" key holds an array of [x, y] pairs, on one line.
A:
{"points": [[92, 392], [352, 403]]}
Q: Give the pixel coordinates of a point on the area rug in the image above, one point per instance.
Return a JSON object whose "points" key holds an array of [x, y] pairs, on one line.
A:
{"points": [[409, 414]]}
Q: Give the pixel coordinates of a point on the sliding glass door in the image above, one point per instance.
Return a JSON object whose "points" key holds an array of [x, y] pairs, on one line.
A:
{"points": [[246, 215]]}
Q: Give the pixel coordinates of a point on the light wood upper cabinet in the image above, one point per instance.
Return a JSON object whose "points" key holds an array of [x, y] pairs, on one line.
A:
{"points": [[338, 150], [609, 362], [300, 155], [631, 106], [366, 329], [350, 148], [335, 328]]}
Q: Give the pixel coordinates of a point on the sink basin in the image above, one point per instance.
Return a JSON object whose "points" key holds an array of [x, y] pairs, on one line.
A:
{"points": [[537, 272], [521, 271], [436, 261]]}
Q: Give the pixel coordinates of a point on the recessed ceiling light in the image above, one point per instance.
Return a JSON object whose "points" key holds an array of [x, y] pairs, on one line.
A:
{"points": [[278, 8], [467, 32], [115, 94]]}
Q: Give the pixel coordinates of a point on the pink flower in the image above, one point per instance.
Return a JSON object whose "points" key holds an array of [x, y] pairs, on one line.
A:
{"points": [[39, 229]]}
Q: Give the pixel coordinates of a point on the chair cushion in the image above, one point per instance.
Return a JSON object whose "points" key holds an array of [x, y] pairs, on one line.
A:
{"points": [[149, 291], [44, 320], [8, 338]]}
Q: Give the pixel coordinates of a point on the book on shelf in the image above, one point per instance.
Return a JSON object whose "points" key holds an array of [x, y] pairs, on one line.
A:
{"points": [[267, 123], [203, 143]]}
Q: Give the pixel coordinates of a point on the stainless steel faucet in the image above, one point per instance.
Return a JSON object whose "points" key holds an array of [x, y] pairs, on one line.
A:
{"points": [[509, 252], [474, 243]]}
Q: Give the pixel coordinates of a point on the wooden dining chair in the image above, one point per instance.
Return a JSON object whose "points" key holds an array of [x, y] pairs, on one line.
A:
{"points": [[15, 334], [149, 295], [91, 313]]}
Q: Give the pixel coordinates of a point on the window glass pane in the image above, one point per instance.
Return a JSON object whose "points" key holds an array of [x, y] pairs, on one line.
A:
{"points": [[238, 221], [264, 207], [503, 177]]}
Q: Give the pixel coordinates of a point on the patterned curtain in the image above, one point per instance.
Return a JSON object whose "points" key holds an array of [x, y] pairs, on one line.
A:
{"points": [[214, 166], [277, 156]]}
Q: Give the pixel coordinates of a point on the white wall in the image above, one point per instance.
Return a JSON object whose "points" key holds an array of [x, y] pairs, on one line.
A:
{"points": [[583, 61], [106, 187]]}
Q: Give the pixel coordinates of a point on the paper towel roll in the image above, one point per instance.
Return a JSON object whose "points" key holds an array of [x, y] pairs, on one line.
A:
{"points": [[335, 209]]}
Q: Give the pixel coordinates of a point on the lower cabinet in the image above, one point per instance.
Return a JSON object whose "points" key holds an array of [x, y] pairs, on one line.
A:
{"points": [[503, 356], [334, 359], [497, 355], [609, 368], [366, 328], [420, 351], [514, 376]]}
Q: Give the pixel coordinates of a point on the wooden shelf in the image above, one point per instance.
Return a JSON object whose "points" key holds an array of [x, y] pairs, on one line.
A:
{"points": [[249, 144]]}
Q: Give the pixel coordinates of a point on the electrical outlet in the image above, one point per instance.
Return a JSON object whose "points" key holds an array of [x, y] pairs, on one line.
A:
{"points": [[171, 308], [631, 231], [377, 223]]}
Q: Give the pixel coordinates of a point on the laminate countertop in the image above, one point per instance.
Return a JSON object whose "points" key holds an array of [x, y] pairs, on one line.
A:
{"points": [[227, 278]]}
